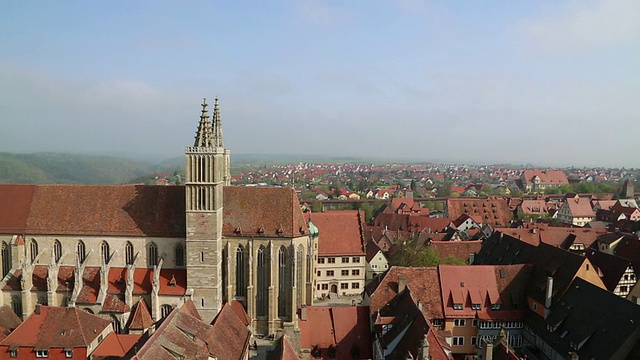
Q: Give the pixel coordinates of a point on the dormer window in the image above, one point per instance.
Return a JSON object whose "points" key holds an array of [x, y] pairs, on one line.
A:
{"points": [[457, 306], [495, 306], [475, 306], [238, 231]]}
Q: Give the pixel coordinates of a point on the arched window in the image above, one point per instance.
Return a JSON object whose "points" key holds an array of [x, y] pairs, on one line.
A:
{"points": [[165, 310], [33, 246], [57, 250], [179, 255], [241, 286], [284, 283], [128, 253], [153, 254], [6, 259], [263, 281], [299, 272], [81, 251], [104, 251]]}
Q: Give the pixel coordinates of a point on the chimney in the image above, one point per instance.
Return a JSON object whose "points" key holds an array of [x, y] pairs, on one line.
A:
{"points": [[573, 356], [533, 230], [303, 313], [37, 310], [488, 351], [401, 284], [549, 293], [425, 348], [472, 257]]}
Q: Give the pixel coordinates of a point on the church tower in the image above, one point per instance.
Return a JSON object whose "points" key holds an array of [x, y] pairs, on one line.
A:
{"points": [[207, 172]]}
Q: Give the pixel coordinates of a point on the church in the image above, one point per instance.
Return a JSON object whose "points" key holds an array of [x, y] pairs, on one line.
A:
{"points": [[103, 248]]}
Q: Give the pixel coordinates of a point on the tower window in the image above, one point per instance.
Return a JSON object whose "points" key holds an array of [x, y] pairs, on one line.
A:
{"points": [[6, 259], [202, 256]]}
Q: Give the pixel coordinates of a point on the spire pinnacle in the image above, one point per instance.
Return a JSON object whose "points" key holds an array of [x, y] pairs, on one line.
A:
{"points": [[204, 133], [217, 125]]}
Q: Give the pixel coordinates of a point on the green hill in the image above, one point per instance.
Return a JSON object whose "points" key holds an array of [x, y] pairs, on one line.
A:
{"points": [[50, 168]]}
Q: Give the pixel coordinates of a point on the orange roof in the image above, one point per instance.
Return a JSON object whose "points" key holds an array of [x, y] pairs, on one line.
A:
{"points": [[548, 177], [238, 308], [467, 285], [343, 327], [494, 211], [339, 233], [52, 326], [117, 345], [141, 318]]}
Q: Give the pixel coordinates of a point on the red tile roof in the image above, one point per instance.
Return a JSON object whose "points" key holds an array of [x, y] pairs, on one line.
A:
{"points": [[141, 317], [115, 303], [456, 249], [493, 210], [275, 211], [548, 177], [284, 350], [467, 285], [57, 327], [424, 283], [141, 210], [229, 337], [238, 308], [8, 321], [115, 345], [339, 233], [580, 207], [343, 327]]}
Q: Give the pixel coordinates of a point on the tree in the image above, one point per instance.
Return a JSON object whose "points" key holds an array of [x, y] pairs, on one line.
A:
{"points": [[413, 185]]}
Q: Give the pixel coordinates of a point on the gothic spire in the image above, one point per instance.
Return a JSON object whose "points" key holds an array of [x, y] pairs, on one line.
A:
{"points": [[217, 126], [204, 134]]}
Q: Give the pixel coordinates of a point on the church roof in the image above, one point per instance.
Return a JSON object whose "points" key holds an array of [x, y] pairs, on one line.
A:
{"points": [[141, 318], [142, 210]]}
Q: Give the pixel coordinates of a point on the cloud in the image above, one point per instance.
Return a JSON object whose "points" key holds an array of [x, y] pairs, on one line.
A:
{"points": [[585, 26]]}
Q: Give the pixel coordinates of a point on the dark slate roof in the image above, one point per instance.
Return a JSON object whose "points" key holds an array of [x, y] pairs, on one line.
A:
{"points": [[560, 264], [501, 249], [611, 267], [590, 321]]}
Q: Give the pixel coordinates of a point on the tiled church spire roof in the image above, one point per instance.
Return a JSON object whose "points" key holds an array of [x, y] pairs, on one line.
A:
{"points": [[204, 136], [217, 126]]}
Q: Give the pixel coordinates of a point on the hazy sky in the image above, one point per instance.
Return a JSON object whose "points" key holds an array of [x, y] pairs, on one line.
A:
{"points": [[543, 82]]}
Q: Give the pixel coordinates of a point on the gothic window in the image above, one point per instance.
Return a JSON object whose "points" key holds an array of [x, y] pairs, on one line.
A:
{"points": [[104, 251], [6, 259], [179, 255], [263, 284], [153, 254], [284, 283], [81, 251], [128, 253], [57, 250], [165, 310], [34, 249], [299, 271], [241, 286]]}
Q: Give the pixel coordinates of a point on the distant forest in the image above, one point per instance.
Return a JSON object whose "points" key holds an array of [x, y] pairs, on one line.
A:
{"points": [[50, 168]]}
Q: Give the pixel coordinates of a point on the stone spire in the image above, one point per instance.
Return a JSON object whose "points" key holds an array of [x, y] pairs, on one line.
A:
{"points": [[204, 136], [217, 126]]}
